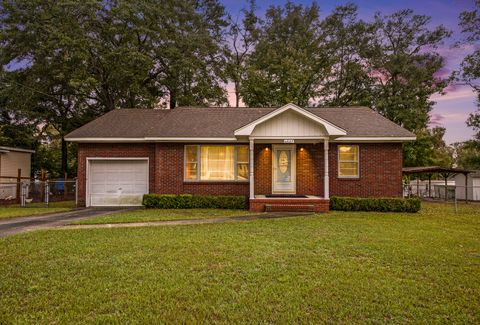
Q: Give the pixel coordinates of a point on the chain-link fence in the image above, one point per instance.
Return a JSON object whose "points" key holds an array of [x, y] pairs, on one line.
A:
{"points": [[438, 190], [9, 192], [35, 193]]}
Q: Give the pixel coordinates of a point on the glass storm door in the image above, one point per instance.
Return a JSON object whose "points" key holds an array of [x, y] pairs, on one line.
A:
{"points": [[284, 169]]}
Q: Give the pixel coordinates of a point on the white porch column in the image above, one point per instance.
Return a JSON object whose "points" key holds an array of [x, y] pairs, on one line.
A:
{"points": [[326, 184], [250, 169]]}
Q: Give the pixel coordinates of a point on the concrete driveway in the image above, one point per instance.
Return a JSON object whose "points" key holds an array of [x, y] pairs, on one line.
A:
{"points": [[13, 226]]}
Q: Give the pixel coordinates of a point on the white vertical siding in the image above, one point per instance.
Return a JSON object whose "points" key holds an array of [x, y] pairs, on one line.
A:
{"points": [[289, 124]]}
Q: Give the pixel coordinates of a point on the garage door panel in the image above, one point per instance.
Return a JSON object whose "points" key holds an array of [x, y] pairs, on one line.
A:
{"points": [[119, 177], [97, 188], [118, 182]]}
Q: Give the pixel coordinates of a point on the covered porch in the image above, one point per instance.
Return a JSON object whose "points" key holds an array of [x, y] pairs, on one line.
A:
{"points": [[290, 176], [289, 160]]}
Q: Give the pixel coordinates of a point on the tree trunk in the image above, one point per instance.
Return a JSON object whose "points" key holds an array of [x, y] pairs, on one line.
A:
{"points": [[237, 95], [173, 99], [64, 156]]}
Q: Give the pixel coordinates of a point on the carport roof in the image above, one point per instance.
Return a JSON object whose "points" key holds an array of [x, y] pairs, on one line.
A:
{"points": [[434, 169]]}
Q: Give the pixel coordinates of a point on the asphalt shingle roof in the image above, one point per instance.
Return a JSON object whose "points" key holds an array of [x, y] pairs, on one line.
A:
{"points": [[222, 122]]}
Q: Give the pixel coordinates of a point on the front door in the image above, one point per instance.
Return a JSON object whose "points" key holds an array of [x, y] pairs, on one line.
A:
{"points": [[284, 169]]}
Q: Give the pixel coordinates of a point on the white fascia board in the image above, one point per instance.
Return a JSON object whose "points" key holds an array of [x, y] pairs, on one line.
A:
{"points": [[189, 139], [331, 128], [106, 140], [374, 139], [8, 149], [289, 137]]}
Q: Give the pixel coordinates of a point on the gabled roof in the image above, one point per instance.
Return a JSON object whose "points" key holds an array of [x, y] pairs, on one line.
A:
{"points": [[221, 124], [330, 128]]}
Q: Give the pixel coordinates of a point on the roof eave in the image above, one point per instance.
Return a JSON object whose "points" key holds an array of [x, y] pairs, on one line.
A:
{"points": [[375, 139], [149, 139]]}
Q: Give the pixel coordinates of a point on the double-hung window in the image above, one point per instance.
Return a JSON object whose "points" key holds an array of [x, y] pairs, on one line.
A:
{"points": [[348, 161], [216, 162]]}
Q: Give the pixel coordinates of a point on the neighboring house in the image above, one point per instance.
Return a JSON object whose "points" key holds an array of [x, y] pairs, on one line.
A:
{"points": [[11, 161], [279, 156], [473, 186]]}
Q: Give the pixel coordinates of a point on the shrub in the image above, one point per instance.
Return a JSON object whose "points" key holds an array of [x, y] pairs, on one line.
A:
{"points": [[188, 201], [375, 204]]}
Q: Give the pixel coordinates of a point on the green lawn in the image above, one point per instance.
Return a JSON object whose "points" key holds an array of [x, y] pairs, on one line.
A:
{"points": [[144, 215], [338, 267], [35, 209]]}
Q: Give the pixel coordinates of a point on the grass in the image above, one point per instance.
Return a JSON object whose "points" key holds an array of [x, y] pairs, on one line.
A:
{"points": [[144, 215], [334, 268], [35, 209]]}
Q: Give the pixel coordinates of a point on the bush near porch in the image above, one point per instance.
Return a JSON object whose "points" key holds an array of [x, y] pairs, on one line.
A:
{"points": [[375, 204], [188, 201]]}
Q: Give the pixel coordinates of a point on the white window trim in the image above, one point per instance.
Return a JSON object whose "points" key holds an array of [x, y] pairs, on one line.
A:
{"points": [[199, 165], [358, 161]]}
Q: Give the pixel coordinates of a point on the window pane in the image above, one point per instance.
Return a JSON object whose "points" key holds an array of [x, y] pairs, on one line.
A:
{"points": [[348, 161], [348, 156], [191, 162], [242, 172], [242, 163], [242, 154], [217, 163]]}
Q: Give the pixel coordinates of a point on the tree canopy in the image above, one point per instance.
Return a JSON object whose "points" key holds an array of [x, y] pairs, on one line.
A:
{"points": [[65, 63]]}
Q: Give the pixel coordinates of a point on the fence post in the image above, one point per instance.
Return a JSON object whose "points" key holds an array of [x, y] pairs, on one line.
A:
{"points": [[466, 188], [47, 191], [76, 192], [22, 196], [43, 178], [19, 180], [65, 188]]}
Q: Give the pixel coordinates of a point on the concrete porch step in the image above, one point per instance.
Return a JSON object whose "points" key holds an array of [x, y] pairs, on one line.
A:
{"points": [[278, 207]]}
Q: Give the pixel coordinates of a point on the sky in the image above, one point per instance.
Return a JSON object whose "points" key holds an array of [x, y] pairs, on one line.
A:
{"points": [[450, 110]]}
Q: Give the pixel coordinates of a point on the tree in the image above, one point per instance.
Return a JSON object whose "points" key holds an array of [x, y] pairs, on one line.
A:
{"points": [[69, 62], [468, 154], [404, 64], [243, 37], [289, 61], [470, 66], [185, 41], [429, 149], [347, 39]]}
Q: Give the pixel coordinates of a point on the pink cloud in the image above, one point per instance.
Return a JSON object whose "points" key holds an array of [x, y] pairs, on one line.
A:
{"points": [[436, 119], [454, 92]]}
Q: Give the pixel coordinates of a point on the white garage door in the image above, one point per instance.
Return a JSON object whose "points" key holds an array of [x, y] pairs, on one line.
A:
{"points": [[117, 182]]}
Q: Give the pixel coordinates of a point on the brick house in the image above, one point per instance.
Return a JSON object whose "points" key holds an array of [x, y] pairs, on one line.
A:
{"points": [[280, 157]]}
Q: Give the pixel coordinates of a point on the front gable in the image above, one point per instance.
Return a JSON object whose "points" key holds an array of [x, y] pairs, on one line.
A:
{"points": [[290, 121], [289, 124]]}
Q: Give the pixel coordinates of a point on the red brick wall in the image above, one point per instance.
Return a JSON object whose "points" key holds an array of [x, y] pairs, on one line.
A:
{"points": [[262, 156], [166, 169], [309, 165], [380, 170]]}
